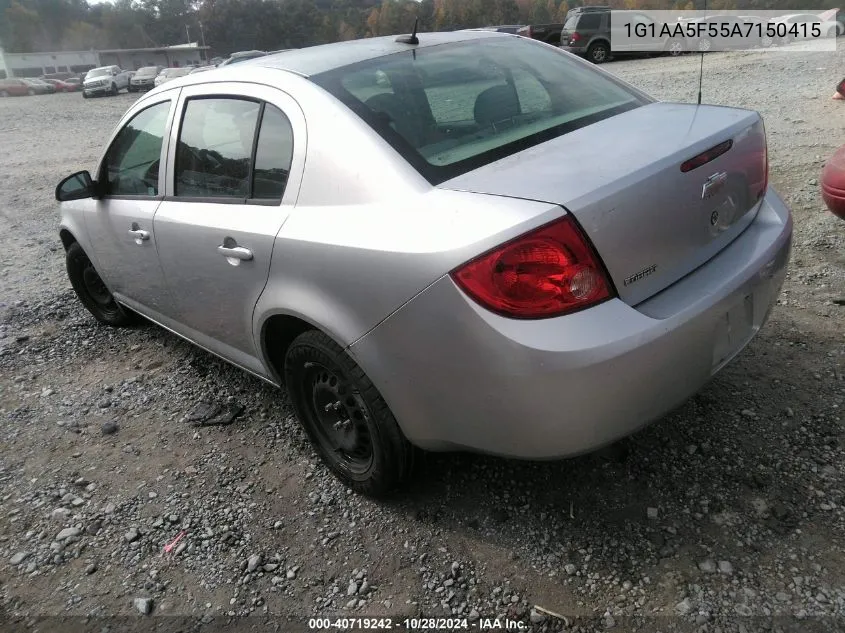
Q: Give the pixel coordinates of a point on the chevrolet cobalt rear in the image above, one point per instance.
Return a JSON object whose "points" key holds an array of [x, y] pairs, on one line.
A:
{"points": [[463, 241]]}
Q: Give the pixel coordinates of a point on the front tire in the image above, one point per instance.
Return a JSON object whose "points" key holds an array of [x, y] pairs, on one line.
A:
{"points": [[345, 417], [84, 95], [92, 291], [114, 89], [30, 92], [3, 94], [598, 52]]}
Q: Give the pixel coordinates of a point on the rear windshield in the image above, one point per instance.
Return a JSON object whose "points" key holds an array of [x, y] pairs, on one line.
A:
{"points": [[452, 108]]}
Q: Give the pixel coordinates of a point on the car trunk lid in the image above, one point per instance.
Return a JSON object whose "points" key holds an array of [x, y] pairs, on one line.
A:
{"points": [[622, 179]]}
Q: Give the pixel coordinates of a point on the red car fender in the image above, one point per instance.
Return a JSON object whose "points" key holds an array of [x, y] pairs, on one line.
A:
{"points": [[833, 183]]}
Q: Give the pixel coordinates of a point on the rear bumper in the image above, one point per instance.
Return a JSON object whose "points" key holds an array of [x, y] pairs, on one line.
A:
{"points": [[575, 50], [459, 377]]}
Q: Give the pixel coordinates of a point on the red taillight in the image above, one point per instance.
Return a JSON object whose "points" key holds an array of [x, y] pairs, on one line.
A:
{"points": [[705, 157], [548, 272], [575, 37]]}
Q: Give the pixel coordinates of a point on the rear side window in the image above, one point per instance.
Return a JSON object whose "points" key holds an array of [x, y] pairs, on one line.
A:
{"points": [[590, 21], [452, 108], [273, 155], [215, 148], [132, 161]]}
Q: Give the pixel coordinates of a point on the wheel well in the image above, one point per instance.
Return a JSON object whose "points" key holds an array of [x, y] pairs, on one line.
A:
{"points": [[67, 238], [279, 332], [600, 40]]}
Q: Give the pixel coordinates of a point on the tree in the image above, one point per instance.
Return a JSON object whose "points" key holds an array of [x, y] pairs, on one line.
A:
{"points": [[23, 29]]}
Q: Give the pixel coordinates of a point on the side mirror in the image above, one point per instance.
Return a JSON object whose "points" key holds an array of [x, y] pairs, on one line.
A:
{"points": [[76, 187]]}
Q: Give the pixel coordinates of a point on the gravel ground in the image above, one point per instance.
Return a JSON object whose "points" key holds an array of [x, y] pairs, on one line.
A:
{"points": [[728, 515]]}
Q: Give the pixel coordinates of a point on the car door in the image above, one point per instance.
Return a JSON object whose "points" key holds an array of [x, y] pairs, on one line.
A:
{"points": [[237, 159], [120, 222]]}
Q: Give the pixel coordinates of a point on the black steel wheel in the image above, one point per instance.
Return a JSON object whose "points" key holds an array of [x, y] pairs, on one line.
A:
{"points": [[345, 417], [92, 291]]}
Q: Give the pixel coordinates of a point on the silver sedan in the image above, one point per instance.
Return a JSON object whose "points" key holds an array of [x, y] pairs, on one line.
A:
{"points": [[448, 241]]}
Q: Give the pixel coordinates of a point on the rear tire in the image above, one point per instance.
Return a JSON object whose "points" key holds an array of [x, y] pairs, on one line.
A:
{"points": [[345, 417], [598, 52], [92, 291], [30, 92]]}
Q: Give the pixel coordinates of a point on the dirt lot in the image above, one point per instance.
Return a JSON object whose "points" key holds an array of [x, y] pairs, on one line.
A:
{"points": [[728, 515]]}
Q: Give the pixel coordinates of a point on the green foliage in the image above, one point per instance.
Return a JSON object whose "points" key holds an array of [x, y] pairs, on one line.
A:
{"points": [[232, 25]]}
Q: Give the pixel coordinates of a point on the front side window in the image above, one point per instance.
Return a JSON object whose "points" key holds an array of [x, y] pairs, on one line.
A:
{"points": [[215, 148], [452, 108], [132, 161]]}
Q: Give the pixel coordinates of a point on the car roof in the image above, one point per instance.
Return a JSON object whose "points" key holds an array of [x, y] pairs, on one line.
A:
{"points": [[314, 60]]}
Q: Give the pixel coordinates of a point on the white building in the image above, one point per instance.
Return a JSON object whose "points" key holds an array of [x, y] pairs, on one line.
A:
{"points": [[36, 64]]}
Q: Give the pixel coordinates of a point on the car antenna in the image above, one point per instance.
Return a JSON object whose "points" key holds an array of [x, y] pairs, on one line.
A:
{"points": [[701, 63], [412, 38]]}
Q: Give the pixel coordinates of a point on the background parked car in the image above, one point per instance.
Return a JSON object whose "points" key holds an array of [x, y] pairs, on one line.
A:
{"points": [[40, 87], [62, 76], [242, 56], [171, 73], [833, 183], [722, 25], [62, 86], [14, 88], [549, 33], [144, 78], [105, 80], [765, 39], [597, 33], [201, 69]]}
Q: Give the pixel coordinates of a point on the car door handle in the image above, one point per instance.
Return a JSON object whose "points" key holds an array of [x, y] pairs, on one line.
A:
{"points": [[235, 252], [139, 234]]}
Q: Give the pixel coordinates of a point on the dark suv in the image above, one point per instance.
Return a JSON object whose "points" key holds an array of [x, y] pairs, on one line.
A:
{"points": [[588, 30]]}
